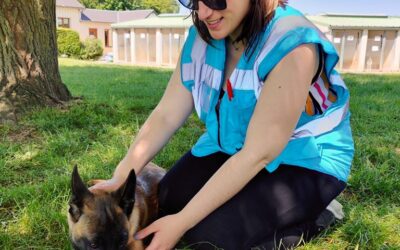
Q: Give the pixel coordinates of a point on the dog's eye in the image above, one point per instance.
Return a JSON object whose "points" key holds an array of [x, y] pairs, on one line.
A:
{"points": [[122, 245], [93, 245], [125, 236], [124, 240]]}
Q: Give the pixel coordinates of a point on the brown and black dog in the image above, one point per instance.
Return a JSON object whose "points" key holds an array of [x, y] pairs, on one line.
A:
{"points": [[101, 220]]}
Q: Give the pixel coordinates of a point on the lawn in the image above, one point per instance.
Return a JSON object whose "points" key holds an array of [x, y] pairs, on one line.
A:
{"points": [[94, 132]]}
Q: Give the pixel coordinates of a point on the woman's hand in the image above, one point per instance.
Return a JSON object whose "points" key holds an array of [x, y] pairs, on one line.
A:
{"points": [[107, 185], [167, 232], [121, 172]]}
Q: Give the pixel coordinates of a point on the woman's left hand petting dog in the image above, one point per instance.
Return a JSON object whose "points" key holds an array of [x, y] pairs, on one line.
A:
{"points": [[102, 220]]}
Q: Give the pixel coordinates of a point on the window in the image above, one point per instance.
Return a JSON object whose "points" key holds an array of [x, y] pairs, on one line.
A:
{"points": [[106, 38], [63, 22], [93, 33]]}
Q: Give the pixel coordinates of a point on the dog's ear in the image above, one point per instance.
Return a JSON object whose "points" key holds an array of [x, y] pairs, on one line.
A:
{"points": [[125, 195], [79, 193]]}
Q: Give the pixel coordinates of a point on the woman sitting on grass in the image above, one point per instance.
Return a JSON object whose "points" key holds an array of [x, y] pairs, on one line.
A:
{"points": [[277, 147]]}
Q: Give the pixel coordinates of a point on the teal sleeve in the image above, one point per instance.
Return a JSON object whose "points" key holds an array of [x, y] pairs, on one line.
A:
{"points": [[291, 40], [186, 63]]}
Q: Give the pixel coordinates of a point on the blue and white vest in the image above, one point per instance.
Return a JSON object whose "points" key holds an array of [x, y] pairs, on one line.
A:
{"points": [[322, 140]]}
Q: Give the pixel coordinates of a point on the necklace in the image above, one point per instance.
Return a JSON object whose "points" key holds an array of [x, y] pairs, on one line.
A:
{"points": [[235, 45]]}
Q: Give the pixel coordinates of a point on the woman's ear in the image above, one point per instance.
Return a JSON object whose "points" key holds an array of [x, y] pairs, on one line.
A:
{"points": [[271, 5]]}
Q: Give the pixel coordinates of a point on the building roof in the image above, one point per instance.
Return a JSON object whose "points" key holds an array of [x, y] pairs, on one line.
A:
{"points": [[112, 16], [69, 3], [160, 21], [342, 21], [339, 21]]}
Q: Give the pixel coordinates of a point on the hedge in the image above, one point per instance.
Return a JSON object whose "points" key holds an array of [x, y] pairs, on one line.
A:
{"points": [[68, 42], [92, 49]]}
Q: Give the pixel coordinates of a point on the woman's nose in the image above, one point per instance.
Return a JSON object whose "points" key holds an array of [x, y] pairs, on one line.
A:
{"points": [[204, 11]]}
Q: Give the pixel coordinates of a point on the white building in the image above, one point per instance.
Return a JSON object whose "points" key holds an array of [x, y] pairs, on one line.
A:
{"points": [[96, 23], [156, 40], [363, 42]]}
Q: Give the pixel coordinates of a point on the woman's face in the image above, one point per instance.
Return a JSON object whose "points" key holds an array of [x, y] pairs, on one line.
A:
{"points": [[223, 23]]}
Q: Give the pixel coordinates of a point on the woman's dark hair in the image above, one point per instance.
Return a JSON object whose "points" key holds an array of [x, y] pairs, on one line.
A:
{"points": [[260, 14]]}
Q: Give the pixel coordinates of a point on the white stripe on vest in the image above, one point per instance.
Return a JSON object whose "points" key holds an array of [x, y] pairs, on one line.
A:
{"points": [[320, 126], [280, 29]]}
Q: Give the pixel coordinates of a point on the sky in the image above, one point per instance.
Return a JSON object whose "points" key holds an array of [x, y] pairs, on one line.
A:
{"points": [[312, 7], [386, 7]]}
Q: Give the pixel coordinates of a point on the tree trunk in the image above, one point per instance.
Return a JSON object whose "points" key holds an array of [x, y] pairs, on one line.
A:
{"points": [[29, 73]]}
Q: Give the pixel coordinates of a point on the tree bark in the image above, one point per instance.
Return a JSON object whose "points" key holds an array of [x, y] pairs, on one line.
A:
{"points": [[29, 74]]}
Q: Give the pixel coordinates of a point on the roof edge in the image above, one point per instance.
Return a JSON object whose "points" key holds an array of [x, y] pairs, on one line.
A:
{"points": [[74, 7], [354, 15]]}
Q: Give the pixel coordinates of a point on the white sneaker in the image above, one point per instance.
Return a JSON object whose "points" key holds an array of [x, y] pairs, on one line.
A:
{"points": [[337, 209]]}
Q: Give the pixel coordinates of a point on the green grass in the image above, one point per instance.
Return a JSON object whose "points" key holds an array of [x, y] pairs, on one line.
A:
{"points": [[37, 155]]}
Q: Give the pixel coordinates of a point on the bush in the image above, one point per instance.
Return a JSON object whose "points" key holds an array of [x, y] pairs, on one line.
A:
{"points": [[92, 49], [68, 42]]}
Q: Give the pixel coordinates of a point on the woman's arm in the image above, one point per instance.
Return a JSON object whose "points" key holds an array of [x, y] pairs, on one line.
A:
{"points": [[277, 112], [171, 112]]}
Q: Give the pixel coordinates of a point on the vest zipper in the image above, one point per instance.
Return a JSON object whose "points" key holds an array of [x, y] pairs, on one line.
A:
{"points": [[217, 107]]}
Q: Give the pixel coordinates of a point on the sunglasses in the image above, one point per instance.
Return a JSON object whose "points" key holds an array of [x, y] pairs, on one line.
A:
{"points": [[212, 4]]}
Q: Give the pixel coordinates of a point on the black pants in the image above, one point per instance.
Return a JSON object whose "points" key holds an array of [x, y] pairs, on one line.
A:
{"points": [[271, 206]]}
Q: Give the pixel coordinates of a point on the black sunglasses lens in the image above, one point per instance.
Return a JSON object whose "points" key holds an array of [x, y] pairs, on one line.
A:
{"points": [[212, 4], [215, 4], [189, 4]]}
